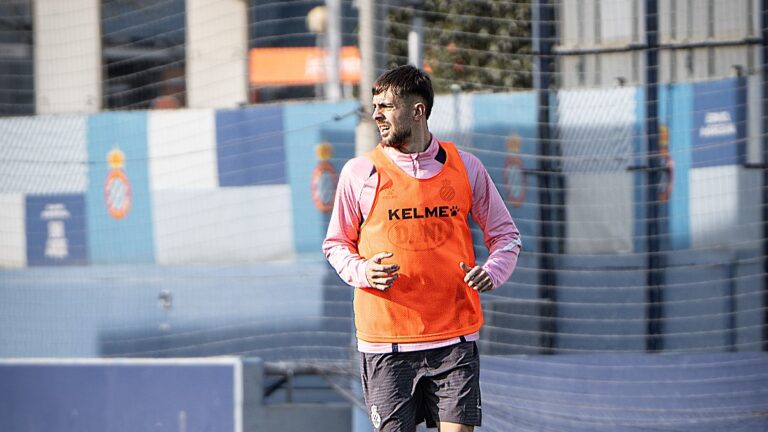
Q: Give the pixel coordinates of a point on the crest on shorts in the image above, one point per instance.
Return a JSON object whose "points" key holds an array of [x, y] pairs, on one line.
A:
{"points": [[375, 417]]}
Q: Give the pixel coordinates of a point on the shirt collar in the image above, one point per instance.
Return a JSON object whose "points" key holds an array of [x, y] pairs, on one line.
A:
{"points": [[429, 153]]}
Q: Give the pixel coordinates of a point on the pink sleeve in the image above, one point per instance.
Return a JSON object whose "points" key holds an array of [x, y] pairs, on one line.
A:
{"points": [[340, 244], [500, 234]]}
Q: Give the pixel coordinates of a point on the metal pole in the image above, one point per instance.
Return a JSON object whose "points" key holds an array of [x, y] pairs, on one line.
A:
{"points": [[764, 114], [416, 39], [333, 50], [366, 135], [543, 41], [655, 275], [381, 37]]}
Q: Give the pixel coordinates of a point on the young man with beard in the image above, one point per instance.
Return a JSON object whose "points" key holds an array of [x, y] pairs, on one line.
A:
{"points": [[399, 234]]}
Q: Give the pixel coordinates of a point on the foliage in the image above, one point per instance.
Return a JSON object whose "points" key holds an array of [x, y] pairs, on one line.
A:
{"points": [[476, 44]]}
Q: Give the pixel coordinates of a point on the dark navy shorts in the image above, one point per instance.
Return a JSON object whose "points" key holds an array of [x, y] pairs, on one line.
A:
{"points": [[402, 389]]}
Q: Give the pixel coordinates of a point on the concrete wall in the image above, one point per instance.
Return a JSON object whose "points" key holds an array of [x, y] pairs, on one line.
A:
{"points": [[217, 53], [67, 56]]}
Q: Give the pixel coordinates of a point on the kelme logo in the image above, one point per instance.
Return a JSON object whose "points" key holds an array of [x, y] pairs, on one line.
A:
{"points": [[422, 212]]}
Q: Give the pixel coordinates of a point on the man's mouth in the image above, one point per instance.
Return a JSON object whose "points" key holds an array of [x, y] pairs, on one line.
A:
{"points": [[383, 129]]}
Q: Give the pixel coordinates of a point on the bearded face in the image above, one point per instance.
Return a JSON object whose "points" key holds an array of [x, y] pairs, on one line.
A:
{"points": [[394, 136], [394, 118]]}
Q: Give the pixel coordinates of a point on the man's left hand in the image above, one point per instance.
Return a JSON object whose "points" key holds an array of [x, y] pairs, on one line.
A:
{"points": [[477, 278]]}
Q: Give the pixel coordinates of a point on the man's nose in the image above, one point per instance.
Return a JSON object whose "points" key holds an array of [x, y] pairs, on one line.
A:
{"points": [[377, 114]]}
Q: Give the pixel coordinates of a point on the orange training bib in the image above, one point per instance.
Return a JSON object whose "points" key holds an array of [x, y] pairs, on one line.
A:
{"points": [[424, 223]]}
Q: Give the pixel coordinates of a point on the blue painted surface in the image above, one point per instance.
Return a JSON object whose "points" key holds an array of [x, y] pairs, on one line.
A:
{"points": [[497, 118], [117, 398], [249, 146], [306, 126], [56, 230], [601, 303], [676, 107], [719, 119], [266, 310], [128, 240], [626, 393], [641, 149], [749, 289], [697, 301]]}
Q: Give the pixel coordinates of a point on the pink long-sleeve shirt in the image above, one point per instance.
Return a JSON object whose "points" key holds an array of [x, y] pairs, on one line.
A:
{"points": [[355, 192]]}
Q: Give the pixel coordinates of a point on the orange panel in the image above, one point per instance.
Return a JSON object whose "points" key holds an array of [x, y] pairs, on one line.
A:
{"points": [[299, 66]]}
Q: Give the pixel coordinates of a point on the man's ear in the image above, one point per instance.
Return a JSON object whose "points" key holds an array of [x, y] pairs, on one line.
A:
{"points": [[419, 110]]}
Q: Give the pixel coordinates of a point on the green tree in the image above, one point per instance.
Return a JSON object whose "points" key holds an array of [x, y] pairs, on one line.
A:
{"points": [[476, 44]]}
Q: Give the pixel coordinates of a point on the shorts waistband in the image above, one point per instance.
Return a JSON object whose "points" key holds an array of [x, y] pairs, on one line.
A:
{"points": [[383, 348], [396, 347]]}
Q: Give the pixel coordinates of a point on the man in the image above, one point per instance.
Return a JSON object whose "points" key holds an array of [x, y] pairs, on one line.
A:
{"points": [[399, 233]]}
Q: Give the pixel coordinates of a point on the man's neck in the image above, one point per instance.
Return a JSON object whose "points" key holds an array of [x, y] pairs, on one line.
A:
{"points": [[419, 143]]}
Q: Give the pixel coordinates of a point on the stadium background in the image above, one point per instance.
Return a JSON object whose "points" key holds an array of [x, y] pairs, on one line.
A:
{"points": [[131, 230]]}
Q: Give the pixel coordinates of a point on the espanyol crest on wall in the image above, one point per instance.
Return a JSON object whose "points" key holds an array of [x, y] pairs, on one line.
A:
{"points": [[324, 178], [514, 182], [117, 187]]}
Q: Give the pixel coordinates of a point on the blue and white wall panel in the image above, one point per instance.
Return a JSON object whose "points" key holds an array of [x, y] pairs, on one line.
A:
{"points": [[754, 118], [601, 282], [307, 125], [749, 218], [182, 150], [13, 245], [118, 202], [675, 112], [250, 217], [250, 146], [219, 194], [224, 225], [503, 137], [182, 168], [56, 230], [596, 132], [498, 120], [719, 152], [42, 155]]}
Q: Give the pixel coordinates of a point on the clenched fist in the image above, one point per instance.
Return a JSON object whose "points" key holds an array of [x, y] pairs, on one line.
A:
{"points": [[381, 276], [477, 278]]}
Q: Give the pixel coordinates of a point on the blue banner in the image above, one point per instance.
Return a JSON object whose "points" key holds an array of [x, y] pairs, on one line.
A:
{"points": [[719, 120], [118, 199], [249, 146], [56, 230]]}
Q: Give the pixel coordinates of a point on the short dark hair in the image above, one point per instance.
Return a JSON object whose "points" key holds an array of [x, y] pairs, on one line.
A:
{"points": [[406, 81]]}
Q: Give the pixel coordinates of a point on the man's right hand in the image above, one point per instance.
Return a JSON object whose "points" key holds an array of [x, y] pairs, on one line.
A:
{"points": [[381, 276]]}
